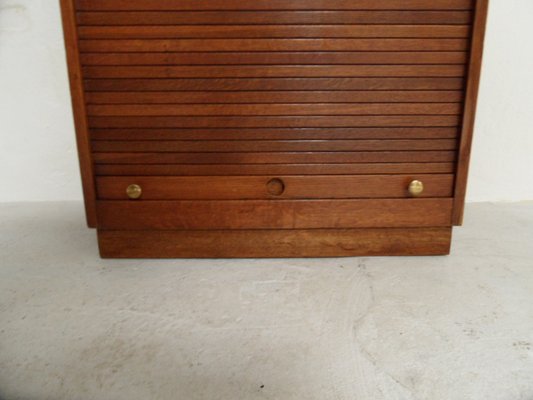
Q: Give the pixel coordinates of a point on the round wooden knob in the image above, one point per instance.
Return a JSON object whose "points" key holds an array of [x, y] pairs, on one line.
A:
{"points": [[134, 191], [275, 187], [416, 188]]}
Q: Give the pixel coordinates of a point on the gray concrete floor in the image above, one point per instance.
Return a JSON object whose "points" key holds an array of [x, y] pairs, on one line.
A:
{"points": [[73, 326]]}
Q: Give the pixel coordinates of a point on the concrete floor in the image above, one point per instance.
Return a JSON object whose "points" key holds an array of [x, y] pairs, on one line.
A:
{"points": [[73, 326]]}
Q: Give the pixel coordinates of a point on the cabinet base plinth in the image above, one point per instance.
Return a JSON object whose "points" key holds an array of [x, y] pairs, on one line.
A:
{"points": [[274, 243]]}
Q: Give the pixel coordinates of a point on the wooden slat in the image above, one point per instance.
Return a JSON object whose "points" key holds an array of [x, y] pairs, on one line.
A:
{"points": [[256, 187], [254, 84], [188, 5], [275, 133], [205, 146], [273, 17], [276, 122], [216, 45], [274, 71], [272, 169], [274, 157], [273, 214], [274, 31], [276, 58], [440, 96], [279, 58], [274, 243], [276, 109]]}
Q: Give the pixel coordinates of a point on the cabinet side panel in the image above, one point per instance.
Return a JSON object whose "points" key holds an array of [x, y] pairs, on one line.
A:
{"points": [[78, 105], [474, 73]]}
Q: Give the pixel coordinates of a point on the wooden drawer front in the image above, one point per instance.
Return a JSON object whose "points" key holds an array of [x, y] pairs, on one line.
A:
{"points": [[273, 214], [265, 187]]}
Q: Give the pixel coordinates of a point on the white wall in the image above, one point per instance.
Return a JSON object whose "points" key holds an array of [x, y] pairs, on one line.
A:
{"points": [[38, 159], [37, 149], [502, 158]]}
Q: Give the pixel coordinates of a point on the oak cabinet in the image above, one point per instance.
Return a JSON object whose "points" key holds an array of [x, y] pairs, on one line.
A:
{"points": [[274, 128]]}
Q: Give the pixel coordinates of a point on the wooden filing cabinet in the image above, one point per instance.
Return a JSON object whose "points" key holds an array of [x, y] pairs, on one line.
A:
{"points": [[274, 128]]}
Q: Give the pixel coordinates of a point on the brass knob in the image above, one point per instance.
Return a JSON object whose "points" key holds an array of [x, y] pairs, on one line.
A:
{"points": [[134, 191], [416, 188]]}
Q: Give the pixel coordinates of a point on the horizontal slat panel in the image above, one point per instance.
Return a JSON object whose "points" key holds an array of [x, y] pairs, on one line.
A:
{"points": [[276, 109], [256, 187], [444, 44], [273, 71], [273, 17], [273, 214], [274, 158], [275, 134], [272, 58], [159, 45], [269, 145], [254, 84], [440, 96], [275, 122], [274, 31], [273, 169]]}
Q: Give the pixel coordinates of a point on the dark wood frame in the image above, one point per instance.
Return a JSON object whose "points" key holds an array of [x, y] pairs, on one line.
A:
{"points": [[80, 116], [469, 115]]}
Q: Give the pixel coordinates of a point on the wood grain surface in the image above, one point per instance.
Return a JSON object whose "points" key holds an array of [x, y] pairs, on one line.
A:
{"points": [[274, 169], [274, 214], [186, 5], [117, 17], [257, 187], [274, 243]]}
